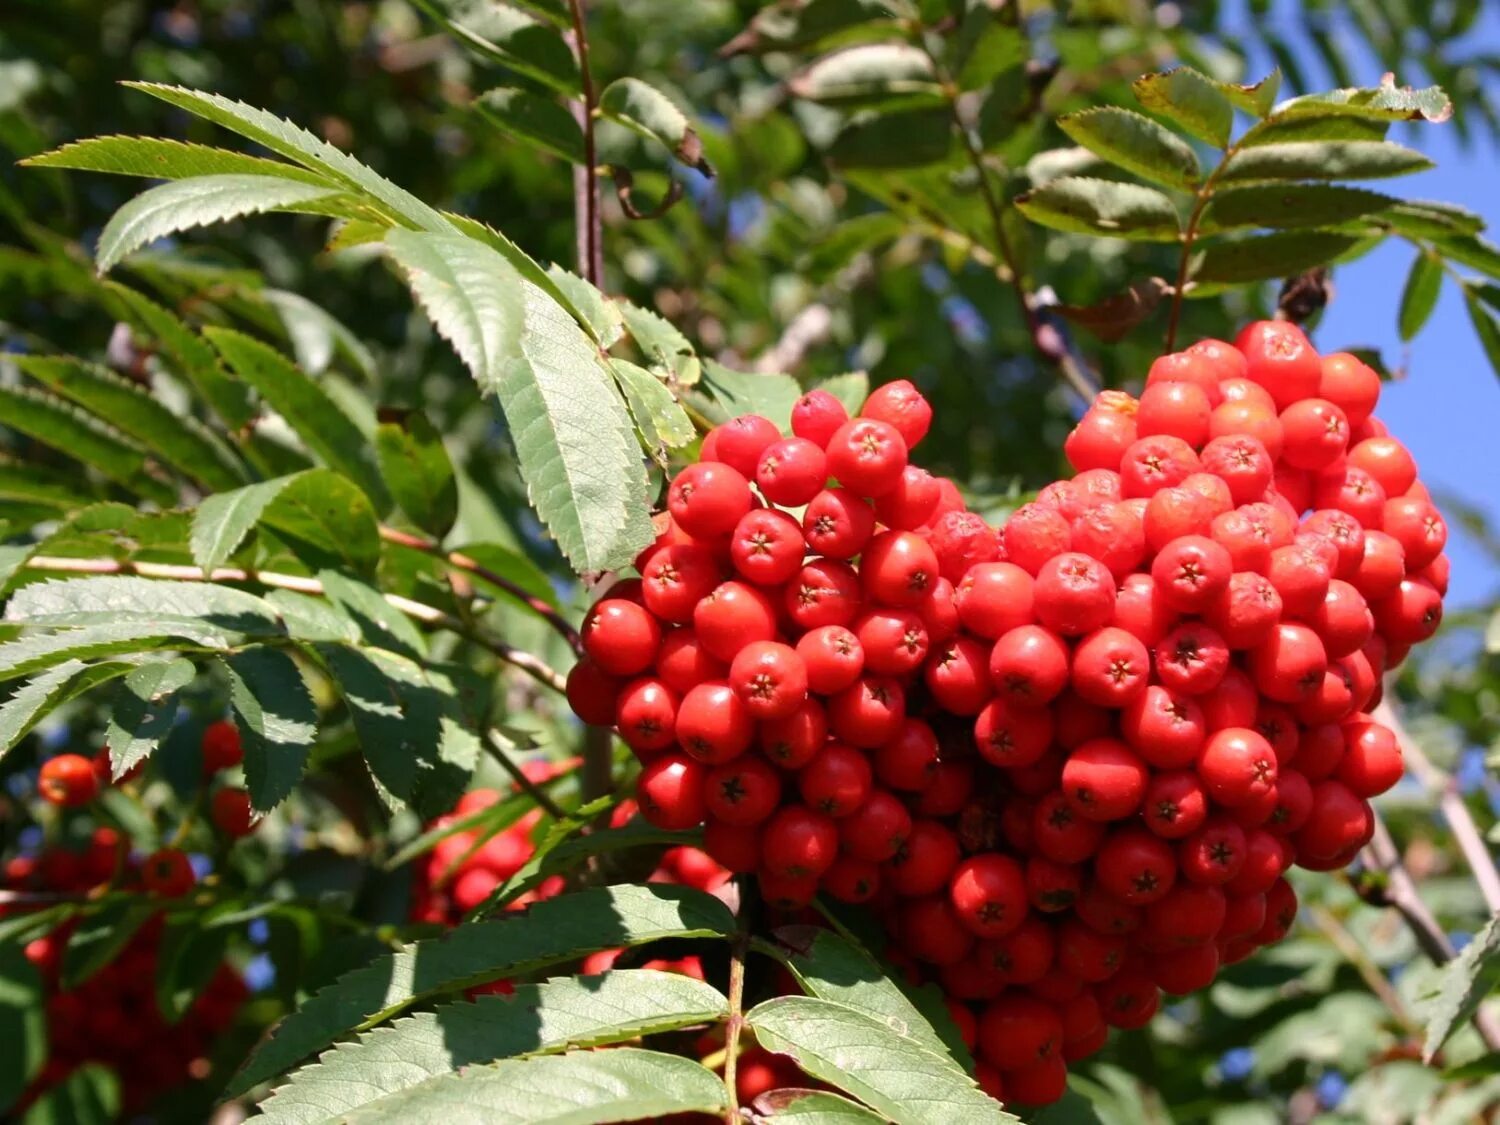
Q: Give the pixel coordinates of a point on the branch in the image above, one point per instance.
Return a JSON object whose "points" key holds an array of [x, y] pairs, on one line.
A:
{"points": [[460, 561], [533, 666], [737, 953], [1400, 892], [586, 178], [518, 775], [1451, 804]]}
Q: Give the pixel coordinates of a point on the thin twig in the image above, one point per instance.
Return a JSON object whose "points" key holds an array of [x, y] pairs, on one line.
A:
{"points": [[737, 954], [586, 176], [1400, 892], [1190, 234], [534, 666], [1450, 803], [1377, 982], [460, 561], [524, 783]]}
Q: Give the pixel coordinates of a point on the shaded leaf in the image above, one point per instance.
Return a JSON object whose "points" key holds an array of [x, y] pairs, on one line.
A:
{"points": [[903, 139], [571, 428], [851, 388], [100, 937], [548, 932], [142, 712], [505, 35], [221, 521], [662, 421], [1419, 295], [1256, 98], [565, 1012], [874, 75], [813, 1107], [38, 698], [1290, 205], [986, 48], [23, 1022], [418, 472], [623, 1084], [177, 440], [746, 392], [807, 22], [44, 650], [1190, 100], [533, 118], [317, 418], [107, 598], [1277, 129], [661, 342], [89, 1095], [1267, 256], [904, 1082], [327, 521], [184, 204], [380, 624], [1487, 328], [1136, 143], [510, 565], [1107, 208], [317, 336], [157, 158], [277, 719], [641, 107], [1474, 252], [191, 951], [1323, 160]]}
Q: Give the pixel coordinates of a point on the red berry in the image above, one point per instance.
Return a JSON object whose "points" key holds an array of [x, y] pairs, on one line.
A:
{"points": [[837, 523], [766, 547], [1164, 727], [713, 723], [851, 879], [1215, 853], [988, 893], [1411, 614], [909, 760], [68, 780], [1372, 758], [1349, 384], [898, 568], [1315, 434], [593, 693], [902, 406], [1289, 665], [740, 441], [734, 615], [1018, 1031], [957, 677], [875, 831], [868, 712], [230, 812], [791, 742], [647, 715], [1192, 659], [221, 746], [836, 781], [1029, 666], [962, 540], [742, 792], [791, 471], [1141, 612], [1245, 611], [867, 456], [833, 657], [621, 637], [817, 415], [670, 792], [924, 862], [1174, 804], [894, 641], [1237, 766], [1388, 461], [683, 664], [912, 502], [1191, 572], [1011, 736], [166, 873], [770, 679], [1111, 667], [1104, 779], [1418, 527], [1279, 357], [676, 578], [1074, 595], [1104, 433], [1033, 534], [1154, 463], [1177, 408], [1114, 533], [824, 592], [799, 842], [707, 499]]}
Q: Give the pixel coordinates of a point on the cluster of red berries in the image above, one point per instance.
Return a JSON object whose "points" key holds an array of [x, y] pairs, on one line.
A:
{"points": [[112, 1017], [1066, 761], [72, 781]]}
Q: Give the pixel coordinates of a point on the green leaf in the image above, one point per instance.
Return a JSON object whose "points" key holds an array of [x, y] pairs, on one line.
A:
{"points": [[418, 472], [90, 1095], [180, 441], [184, 204], [1267, 256], [748, 392], [100, 937], [511, 38], [814, 1107], [407, 722], [986, 48], [299, 145], [785, 26], [316, 335], [1474, 252], [327, 520], [551, 931], [1277, 129], [1420, 294], [662, 421], [1134, 142], [190, 356], [535, 119], [644, 109], [1323, 160], [1486, 327], [874, 75], [833, 968], [910, 138], [103, 599], [510, 565], [1107, 208], [143, 710], [579, 1088], [277, 721], [1188, 99], [851, 388], [23, 1022], [222, 521], [904, 1082], [34, 484], [380, 624], [191, 951], [599, 315], [1387, 102], [38, 698], [587, 1011], [158, 159], [319, 421], [661, 343], [1255, 99], [313, 619], [1290, 205], [44, 650], [485, 823], [55, 423], [572, 431], [1422, 219]]}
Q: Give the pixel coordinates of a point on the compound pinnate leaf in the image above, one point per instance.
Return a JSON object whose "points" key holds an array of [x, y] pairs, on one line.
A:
{"points": [[1386, 102], [571, 429], [327, 521], [1196, 103], [277, 719], [580, 1088], [748, 392], [541, 1018], [510, 37], [904, 1082], [183, 204], [108, 598], [1136, 143], [418, 472], [548, 932], [39, 651], [1107, 208], [812, 1107]]}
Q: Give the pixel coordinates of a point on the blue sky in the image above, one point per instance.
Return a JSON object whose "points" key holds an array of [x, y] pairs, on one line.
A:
{"points": [[1447, 409]]}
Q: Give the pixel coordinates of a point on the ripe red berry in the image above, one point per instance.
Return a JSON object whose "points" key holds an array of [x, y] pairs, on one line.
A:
{"points": [[230, 812], [1074, 595], [868, 712], [908, 762], [902, 406], [1372, 758], [1418, 527], [824, 592], [734, 615], [1104, 433], [1215, 853], [1111, 667], [1029, 666], [1191, 572], [770, 679], [592, 693], [922, 865], [962, 540], [799, 842], [791, 471], [676, 578], [1315, 434], [1164, 727], [1288, 665], [707, 499], [1033, 534], [817, 415], [683, 663], [766, 547], [221, 746], [833, 657], [713, 723], [957, 677], [867, 456], [1174, 804], [167, 873], [988, 894], [621, 637], [647, 715], [1104, 779], [1388, 461], [742, 792], [837, 523], [1350, 384], [1009, 736], [1191, 659], [1411, 614], [875, 831], [851, 879], [1237, 766], [670, 792], [740, 441], [894, 641], [1019, 1031], [912, 502], [1279, 357], [898, 568], [836, 781], [1177, 408], [791, 742], [68, 780]]}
